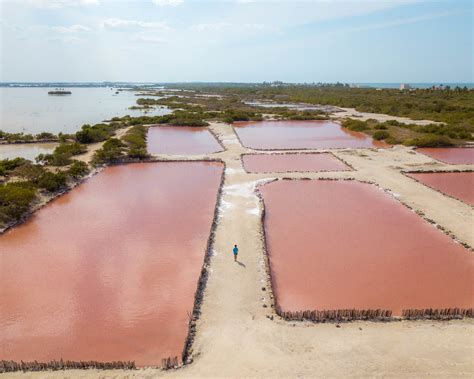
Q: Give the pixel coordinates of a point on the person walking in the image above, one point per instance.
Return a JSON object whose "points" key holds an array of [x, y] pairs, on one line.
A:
{"points": [[236, 251]]}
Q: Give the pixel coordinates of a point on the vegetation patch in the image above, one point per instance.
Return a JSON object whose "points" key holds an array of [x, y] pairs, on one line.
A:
{"points": [[135, 139], [112, 151], [15, 200], [62, 154]]}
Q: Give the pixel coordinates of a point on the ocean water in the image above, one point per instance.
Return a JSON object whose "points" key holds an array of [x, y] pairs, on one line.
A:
{"points": [[32, 110]]}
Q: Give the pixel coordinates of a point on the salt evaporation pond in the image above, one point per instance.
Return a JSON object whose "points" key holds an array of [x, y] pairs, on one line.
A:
{"points": [[349, 245], [26, 150], [260, 163], [451, 155], [456, 184], [301, 135], [109, 270], [181, 140]]}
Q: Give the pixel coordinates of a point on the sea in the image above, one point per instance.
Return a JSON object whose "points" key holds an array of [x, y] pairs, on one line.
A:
{"points": [[30, 110]]}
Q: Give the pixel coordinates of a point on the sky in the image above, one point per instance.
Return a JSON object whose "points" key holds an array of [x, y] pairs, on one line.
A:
{"points": [[349, 41]]}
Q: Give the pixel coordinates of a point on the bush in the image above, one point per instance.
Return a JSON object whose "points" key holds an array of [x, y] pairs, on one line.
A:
{"points": [[52, 182], [136, 142], [8, 165], [112, 151], [29, 171], [355, 125], [15, 200], [380, 127], [62, 154], [429, 140], [96, 133], [78, 169], [46, 136], [380, 135]]}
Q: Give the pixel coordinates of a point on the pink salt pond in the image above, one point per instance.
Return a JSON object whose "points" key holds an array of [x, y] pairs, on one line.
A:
{"points": [[349, 245], [301, 162], [301, 135], [181, 140], [459, 185], [451, 155], [109, 270]]}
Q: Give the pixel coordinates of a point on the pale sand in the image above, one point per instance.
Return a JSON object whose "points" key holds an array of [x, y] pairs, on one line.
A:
{"points": [[353, 113], [236, 339]]}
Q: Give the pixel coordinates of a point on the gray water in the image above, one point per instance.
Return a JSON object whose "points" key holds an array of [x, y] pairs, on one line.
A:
{"points": [[32, 110], [25, 150]]}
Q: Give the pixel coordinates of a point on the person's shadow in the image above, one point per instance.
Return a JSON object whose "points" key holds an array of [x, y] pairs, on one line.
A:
{"points": [[241, 264]]}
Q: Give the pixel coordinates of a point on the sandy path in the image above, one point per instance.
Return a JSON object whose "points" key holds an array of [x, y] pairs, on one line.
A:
{"points": [[235, 338]]}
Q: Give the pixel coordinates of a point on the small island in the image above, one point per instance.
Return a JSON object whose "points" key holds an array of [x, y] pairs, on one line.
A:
{"points": [[59, 91]]}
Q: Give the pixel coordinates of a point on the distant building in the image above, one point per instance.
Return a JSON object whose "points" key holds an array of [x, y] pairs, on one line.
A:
{"points": [[404, 86]]}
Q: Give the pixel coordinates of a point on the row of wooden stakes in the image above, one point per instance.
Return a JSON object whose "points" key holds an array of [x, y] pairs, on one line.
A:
{"points": [[10, 366], [335, 315], [437, 314]]}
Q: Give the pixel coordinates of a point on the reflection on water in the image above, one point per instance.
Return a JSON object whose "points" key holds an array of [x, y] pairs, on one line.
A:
{"points": [[452, 155], [292, 162], [346, 244], [32, 110], [301, 135], [109, 270], [181, 140], [456, 184], [26, 150]]}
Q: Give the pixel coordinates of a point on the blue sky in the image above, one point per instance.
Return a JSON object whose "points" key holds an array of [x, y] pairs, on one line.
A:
{"points": [[237, 40]]}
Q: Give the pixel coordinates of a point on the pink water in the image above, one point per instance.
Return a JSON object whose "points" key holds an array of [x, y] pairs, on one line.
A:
{"points": [[301, 135], [346, 244], [292, 162], [451, 155], [109, 270], [456, 184], [181, 140]]}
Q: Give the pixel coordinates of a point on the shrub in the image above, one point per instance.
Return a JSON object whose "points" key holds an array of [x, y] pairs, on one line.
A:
{"points": [[96, 133], [52, 182], [355, 125], [136, 142], [29, 171], [78, 169], [429, 140], [46, 136], [380, 127], [380, 135], [8, 165], [112, 151], [393, 141], [62, 154], [15, 200]]}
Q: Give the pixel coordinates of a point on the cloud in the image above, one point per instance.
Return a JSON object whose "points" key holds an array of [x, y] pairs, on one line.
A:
{"points": [[117, 23], [162, 3], [58, 4], [6, 25], [71, 29], [65, 39], [219, 26], [149, 39], [403, 21]]}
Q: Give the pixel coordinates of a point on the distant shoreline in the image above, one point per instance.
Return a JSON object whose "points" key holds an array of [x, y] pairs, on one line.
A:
{"points": [[394, 85]]}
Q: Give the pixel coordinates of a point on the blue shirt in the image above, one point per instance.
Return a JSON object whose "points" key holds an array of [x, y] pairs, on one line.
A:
{"points": [[236, 250]]}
